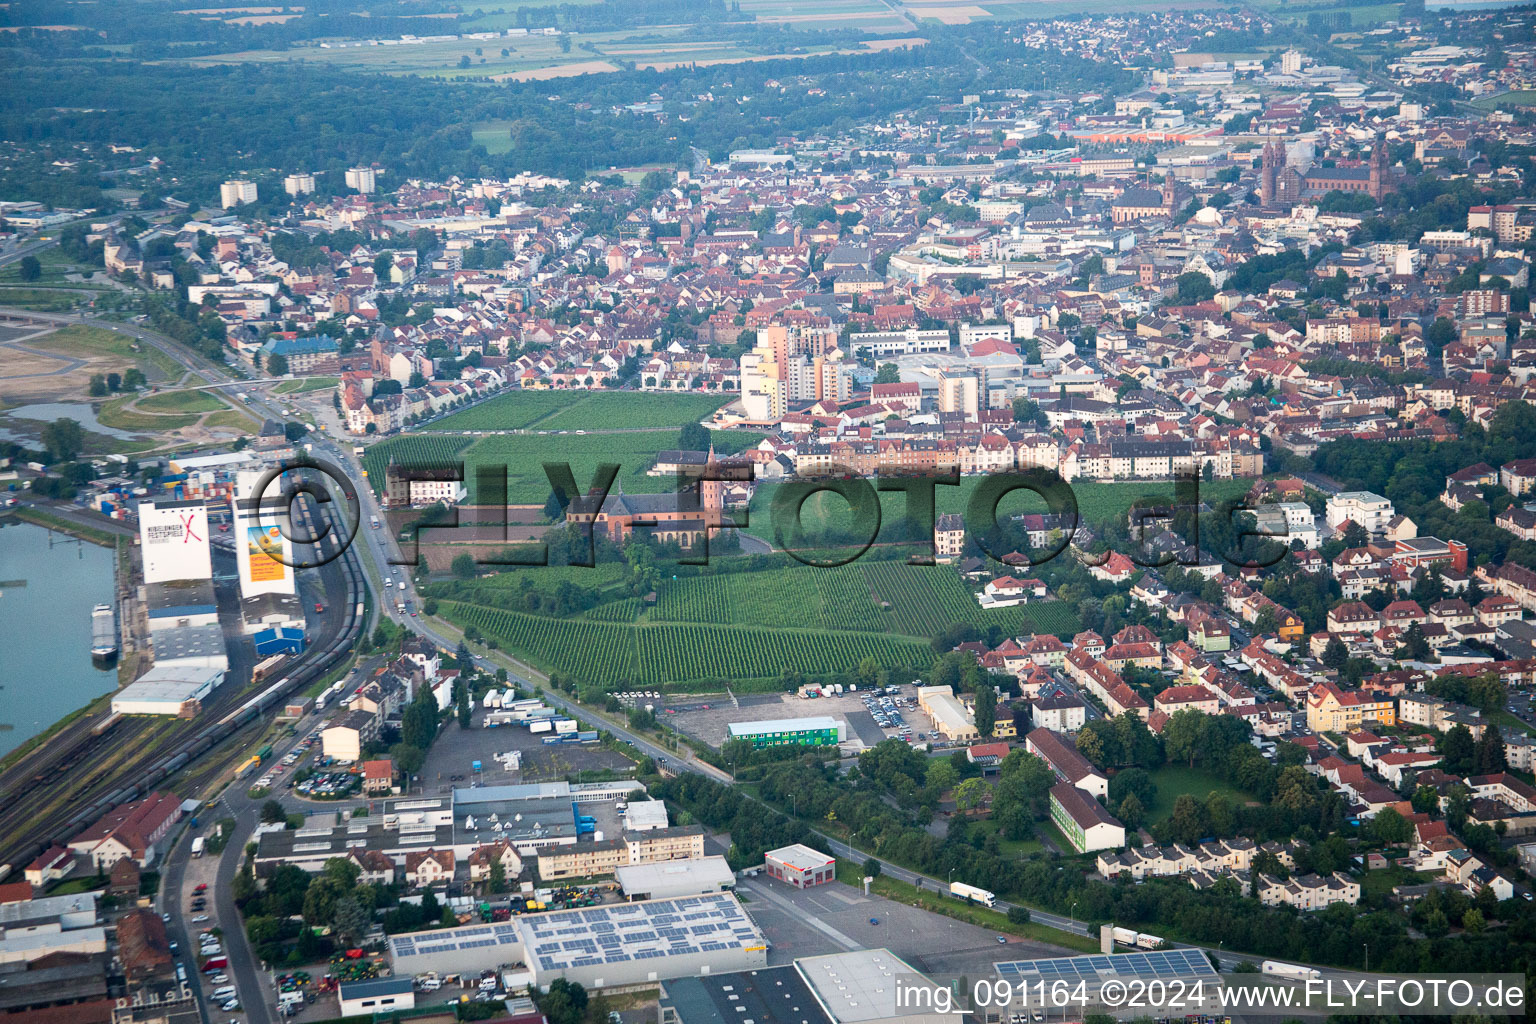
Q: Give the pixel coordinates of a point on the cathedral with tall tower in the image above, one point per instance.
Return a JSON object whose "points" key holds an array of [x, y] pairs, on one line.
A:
{"points": [[1281, 183]]}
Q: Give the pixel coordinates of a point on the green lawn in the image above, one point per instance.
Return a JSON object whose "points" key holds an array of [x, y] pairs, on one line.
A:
{"points": [[1173, 780], [1518, 98], [495, 136], [115, 413], [1018, 848], [1381, 881], [1096, 503], [181, 401], [55, 266], [39, 300], [581, 410], [524, 456], [289, 387]]}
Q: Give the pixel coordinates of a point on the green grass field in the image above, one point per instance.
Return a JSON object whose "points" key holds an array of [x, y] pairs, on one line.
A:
{"points": [[292, 387], [233, 419], [181, 401], [1096, 503], [1516, 98], [582, 410], [39, 300], [1173, 780], [55, 266], [524, 456], [495, 136]]}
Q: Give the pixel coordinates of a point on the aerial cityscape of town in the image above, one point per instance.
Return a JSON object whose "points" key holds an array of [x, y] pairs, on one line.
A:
{"points": [[687, 512]]}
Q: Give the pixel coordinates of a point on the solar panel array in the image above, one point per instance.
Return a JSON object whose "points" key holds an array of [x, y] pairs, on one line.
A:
{"points": [[1161, 963], [454, 940], [651, 930]]}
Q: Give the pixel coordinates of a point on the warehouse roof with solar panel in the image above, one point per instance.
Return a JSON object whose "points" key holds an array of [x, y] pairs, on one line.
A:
{"points": [[1162, 964]]}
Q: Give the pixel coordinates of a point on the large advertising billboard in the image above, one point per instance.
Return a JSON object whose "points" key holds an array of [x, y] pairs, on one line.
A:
{"points": [[262, 553], [174, 540], [265, 553]]}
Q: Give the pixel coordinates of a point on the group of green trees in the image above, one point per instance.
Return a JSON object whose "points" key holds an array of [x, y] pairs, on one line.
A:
{"points": [[1412, 475], [104, 384], [285, 914], [885, 803]]}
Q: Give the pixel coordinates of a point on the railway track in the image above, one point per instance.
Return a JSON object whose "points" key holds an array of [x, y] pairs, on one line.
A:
{"points": [[28, 831]]}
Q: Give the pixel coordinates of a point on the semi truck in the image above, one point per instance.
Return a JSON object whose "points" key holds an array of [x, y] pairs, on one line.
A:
{"points": [[565, 725], [541, 725], [972, 894], [1276, 969], [1141, 940]]}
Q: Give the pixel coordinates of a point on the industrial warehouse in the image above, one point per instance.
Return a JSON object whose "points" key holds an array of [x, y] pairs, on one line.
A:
{"points": [[841, 988], [616, 946]]}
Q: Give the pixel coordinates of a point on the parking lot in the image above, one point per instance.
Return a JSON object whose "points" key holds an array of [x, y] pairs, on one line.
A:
{"points": [[870, 718], [833, 918], [450, 762]]}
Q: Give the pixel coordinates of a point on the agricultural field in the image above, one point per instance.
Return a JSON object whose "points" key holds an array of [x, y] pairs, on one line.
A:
{"points": [[657, 654], [581, 410], [864, 14]]}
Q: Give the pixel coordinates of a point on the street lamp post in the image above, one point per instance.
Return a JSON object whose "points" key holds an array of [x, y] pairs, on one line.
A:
{"points": [[1072, 915]]}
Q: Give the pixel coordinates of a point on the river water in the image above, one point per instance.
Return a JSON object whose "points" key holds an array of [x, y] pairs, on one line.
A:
{"points": [[45, 628]]}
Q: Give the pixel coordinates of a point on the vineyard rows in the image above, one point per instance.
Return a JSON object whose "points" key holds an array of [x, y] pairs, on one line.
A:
{"points": [[609, 652], [408, 450], [595, 651], [696, 652], [924, 601]]}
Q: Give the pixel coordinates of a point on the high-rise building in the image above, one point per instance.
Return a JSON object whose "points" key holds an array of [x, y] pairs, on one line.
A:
{"points": [[363, 179], [960, 391], [1290, 62], [236, 191], [299, 184]]}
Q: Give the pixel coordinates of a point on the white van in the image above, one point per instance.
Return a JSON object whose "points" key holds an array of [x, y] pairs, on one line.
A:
{"points": [[224, 992]]}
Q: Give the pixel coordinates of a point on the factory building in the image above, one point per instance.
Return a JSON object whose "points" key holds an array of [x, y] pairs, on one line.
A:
{"points": [[609, 947]]}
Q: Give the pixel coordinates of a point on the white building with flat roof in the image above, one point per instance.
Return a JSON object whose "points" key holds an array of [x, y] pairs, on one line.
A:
{"points": [[860, 986], [1368, 510], [670, 879]]}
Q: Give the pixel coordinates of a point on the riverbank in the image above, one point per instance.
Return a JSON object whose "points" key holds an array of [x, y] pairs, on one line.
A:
{"points": [[42, 517]]}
